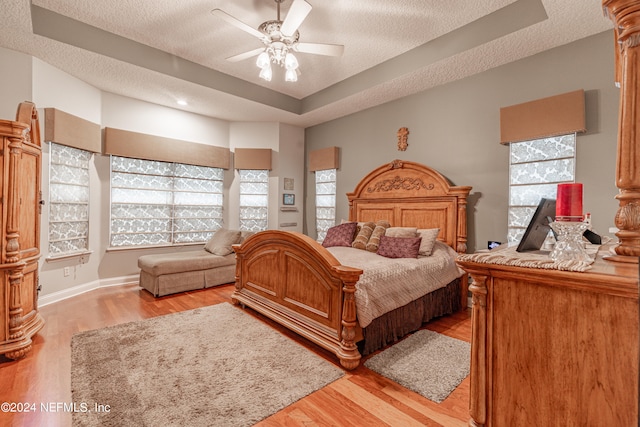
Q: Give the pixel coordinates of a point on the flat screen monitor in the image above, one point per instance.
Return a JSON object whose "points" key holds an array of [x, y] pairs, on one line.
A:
{"points": [[538, 227]]}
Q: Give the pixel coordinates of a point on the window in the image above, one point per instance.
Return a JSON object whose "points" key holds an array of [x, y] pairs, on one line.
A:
{"points": [[160, 203], [325, 201], [254, 199], [68, 200], [536, 168]]}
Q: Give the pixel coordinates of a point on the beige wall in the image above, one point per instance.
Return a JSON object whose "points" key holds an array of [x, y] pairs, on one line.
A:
{"points": [[15, 82], [455, 129], [287, 161]]}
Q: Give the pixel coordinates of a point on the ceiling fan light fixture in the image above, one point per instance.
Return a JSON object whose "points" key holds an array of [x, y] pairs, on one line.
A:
{"points": [[263, 60], [291, 75], [278, 51], [290, 62], [266, 73], [281, 38]]}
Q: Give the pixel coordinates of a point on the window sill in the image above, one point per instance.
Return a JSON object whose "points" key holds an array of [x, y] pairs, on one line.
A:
{"points": [[63, 257], [137, 248]]}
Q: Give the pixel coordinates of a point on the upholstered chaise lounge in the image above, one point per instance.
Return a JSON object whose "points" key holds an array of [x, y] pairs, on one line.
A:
{"points": [[215, 264]]}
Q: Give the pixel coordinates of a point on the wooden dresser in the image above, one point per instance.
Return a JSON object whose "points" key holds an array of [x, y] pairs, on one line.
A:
{"points": [[20, 173], [554, 348]]}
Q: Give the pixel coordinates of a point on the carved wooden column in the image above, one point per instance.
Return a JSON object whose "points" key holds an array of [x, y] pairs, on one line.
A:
{"points": [[478, 385], [348, 354], [625, 15], [13, 261]]}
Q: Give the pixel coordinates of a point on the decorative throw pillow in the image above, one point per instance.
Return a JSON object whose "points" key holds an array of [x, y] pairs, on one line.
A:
{"points": [[429, 237], [360, 242], [340, 235], [374, 240], [221, 241], [344, 221], [401, 232], [399, 247]]}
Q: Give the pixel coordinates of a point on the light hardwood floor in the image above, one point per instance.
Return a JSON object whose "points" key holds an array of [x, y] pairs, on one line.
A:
{"points": [[360, 398]]}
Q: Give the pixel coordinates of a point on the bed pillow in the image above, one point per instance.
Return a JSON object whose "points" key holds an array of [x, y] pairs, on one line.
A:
{"points": [[360, 242], [374, 240], [399, 247], [429, 237], [221, 241], [401, 232], [358, 227], [340, 235]]}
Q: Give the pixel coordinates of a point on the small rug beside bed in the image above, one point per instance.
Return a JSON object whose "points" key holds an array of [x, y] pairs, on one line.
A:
{"points": [[210, 366], [429, 363]]}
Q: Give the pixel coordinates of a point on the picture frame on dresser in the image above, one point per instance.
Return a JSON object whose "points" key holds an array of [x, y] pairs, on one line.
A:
{"points": [[539, 226]]}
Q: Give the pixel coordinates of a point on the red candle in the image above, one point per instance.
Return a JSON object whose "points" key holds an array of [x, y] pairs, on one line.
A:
{"points": [[569, 202]]}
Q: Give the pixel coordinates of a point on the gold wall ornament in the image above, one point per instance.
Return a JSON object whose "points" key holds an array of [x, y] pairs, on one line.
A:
{"points": [[403, 136]]}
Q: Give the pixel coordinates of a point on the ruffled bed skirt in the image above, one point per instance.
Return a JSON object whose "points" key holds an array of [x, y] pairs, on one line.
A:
{"points": [[394, 325]]}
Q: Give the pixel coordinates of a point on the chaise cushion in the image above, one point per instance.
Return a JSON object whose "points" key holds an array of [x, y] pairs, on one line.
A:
{"points": [[158, 264], [221, 241]]}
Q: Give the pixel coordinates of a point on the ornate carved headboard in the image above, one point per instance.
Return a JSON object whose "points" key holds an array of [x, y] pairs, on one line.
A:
{"points": [[409, 194]]}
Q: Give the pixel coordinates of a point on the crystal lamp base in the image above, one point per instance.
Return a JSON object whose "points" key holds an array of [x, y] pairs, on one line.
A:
{"points": [[569, 245]]}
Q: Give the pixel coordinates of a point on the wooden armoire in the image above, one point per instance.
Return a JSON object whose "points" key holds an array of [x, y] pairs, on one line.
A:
{"points": [[20, 201]]}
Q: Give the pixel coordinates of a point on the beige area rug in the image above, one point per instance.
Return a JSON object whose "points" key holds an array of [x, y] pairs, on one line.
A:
{"points": [[429, 363], [213, 366]]}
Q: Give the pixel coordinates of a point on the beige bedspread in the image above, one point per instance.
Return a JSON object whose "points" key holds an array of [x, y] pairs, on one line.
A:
{"points": [[388, 283]]}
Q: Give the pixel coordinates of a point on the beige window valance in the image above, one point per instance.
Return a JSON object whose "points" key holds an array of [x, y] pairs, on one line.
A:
{"points": [[556, 115], [324, 158], [252, 158], [150, 147], [67, 129]]}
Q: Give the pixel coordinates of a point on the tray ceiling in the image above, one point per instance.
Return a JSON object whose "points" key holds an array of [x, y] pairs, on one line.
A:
{"points": [[161, 51]]}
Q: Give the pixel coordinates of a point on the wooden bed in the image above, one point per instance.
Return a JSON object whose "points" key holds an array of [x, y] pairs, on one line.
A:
{"points": [[294, 280]]}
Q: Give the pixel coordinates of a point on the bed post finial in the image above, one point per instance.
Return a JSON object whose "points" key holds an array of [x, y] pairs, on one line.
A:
{"points": [[396, 164]]}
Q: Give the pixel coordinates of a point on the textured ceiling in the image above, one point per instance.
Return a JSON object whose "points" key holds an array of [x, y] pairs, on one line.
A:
{"points": [[163, 50]]}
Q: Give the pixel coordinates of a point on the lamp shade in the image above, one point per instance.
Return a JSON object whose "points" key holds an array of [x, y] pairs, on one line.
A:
{"points": [[263, 60], [291, 76], [266, 73], [290, 62]]}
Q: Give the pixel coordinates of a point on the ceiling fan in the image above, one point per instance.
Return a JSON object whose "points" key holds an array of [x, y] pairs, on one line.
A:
{"points": [[281, 39]]}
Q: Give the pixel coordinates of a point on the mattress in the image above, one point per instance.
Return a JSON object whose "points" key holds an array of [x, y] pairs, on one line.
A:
{"points": [[389, 283]]}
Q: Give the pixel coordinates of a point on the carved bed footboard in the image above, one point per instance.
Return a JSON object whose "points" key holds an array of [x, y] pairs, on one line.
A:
{"points": [[293, 280]]}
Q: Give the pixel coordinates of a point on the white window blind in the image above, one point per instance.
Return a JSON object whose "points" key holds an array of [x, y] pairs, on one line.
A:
{"points": [[254, 199], [325, 201], [160, 203], [536, 168], [68, 200]]}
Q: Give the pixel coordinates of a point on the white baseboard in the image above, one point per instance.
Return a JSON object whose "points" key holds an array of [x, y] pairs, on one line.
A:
{"points": [[86, 287]]}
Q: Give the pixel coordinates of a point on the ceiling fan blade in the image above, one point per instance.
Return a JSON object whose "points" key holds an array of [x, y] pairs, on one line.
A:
{"points": [[237, 23], [320, 48], [297, 13], [245, 55]]}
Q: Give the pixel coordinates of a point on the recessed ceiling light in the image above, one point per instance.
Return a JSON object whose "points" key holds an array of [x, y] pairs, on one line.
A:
{"points": [[182, 102]]}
